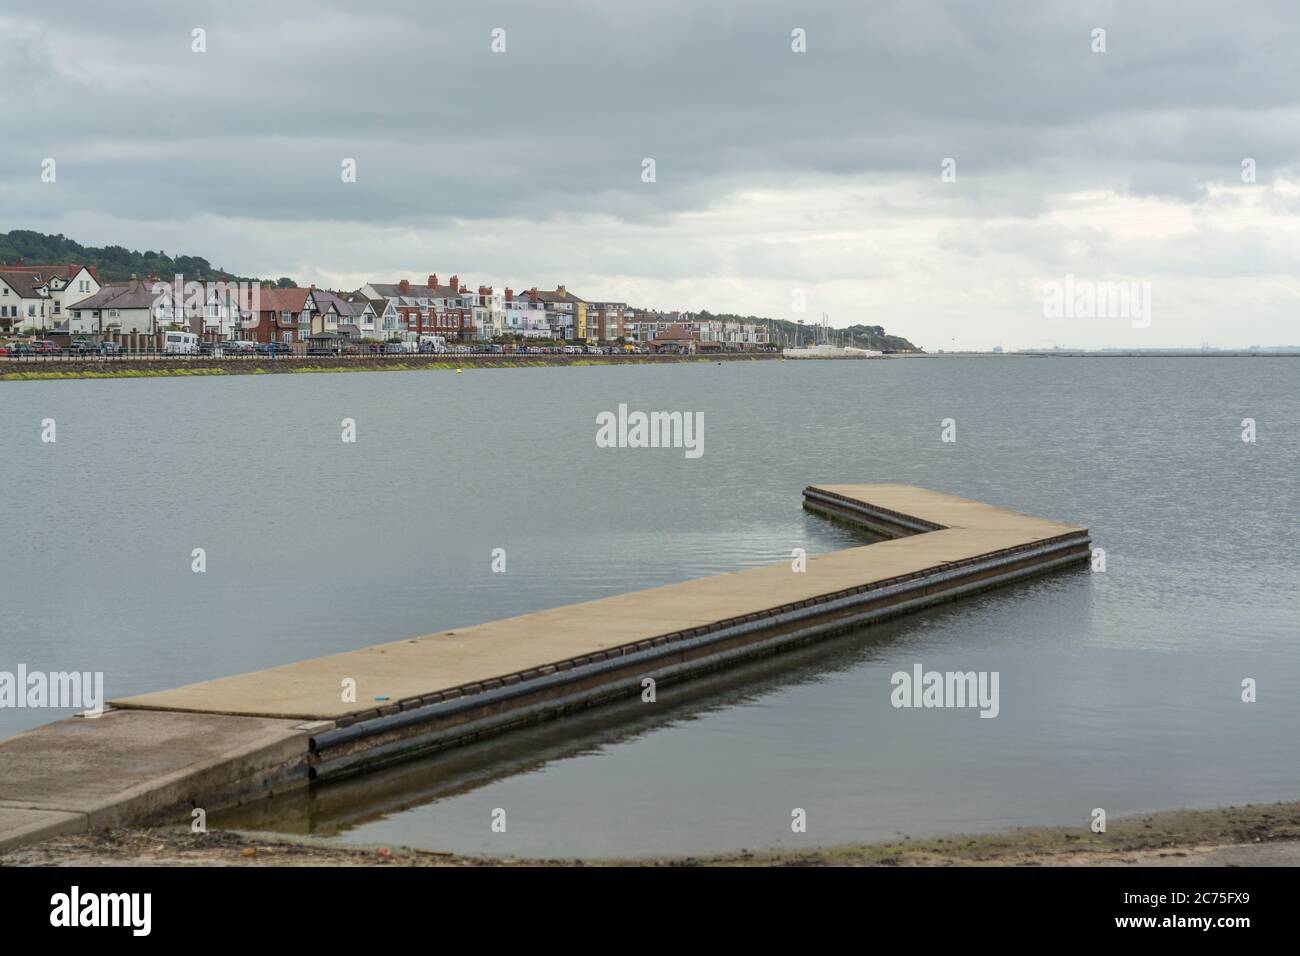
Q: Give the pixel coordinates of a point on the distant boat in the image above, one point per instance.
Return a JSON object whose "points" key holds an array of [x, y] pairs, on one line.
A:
{"points": [[824, 349], [827, 351]]}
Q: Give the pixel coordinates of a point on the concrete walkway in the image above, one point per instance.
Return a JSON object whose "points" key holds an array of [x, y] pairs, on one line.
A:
{"points": [[80, 774], [228, 741], [522, 647]]}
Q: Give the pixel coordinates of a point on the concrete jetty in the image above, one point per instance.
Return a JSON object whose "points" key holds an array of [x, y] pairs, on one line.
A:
{"points": [[229, 741]]}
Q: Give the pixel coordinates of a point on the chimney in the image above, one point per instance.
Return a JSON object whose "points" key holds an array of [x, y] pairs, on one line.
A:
{"points": [[559, 290], [433, 281], [93, 274], [312, 287], [510, 294], [533, 291], [484, 290], [454, 282], [134, 283], [404, 286]]}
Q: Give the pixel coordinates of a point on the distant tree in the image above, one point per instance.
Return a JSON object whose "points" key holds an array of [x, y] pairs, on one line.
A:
{"points": [[284, 282], [113, 263]]}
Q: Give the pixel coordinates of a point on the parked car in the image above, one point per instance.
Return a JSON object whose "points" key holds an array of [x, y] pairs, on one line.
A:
{"points": [[394, 348], [274, 348], [214, 349], [17, 349], [45, 347], [110, 348]]}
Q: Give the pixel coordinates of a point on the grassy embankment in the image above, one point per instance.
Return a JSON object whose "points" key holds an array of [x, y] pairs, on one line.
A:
{"points": [[291, 366]]}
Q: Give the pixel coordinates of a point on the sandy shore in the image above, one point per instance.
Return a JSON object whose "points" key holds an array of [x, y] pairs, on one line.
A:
{"points": [[1266, 835]]}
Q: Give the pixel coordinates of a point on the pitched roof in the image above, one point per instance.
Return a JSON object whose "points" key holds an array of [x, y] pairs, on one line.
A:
{"points": [[393, 290], [557, 296], [64, 270], [325, 298], [25, 284], [136, 294], [353, 306], [283, 300], [674, 333]]}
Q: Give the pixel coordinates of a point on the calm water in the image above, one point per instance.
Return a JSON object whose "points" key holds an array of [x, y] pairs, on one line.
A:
{"points": [[1118, 690]]}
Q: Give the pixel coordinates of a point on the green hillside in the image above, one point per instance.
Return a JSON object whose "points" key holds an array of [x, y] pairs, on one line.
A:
{"points": [[785, 332], [112, 263]]}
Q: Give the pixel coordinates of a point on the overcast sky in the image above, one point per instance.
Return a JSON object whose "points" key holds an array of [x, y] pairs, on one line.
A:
{"points": [[777, 173]]}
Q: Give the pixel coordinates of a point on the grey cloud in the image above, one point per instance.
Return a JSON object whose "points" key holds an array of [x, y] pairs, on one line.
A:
{"points": [[441, 127]]}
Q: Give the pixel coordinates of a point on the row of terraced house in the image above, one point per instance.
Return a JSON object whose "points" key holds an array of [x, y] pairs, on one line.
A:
{"points": [[70, 299]]}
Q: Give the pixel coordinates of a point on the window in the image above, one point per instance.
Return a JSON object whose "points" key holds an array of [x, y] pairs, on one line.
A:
{"points": [[31, 311]]}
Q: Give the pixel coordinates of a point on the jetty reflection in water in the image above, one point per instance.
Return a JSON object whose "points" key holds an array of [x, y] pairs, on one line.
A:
{"points": [[335, 809]]}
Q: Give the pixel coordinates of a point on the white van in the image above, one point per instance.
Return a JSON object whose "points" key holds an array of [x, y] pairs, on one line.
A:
{"points": [[180, 343]]}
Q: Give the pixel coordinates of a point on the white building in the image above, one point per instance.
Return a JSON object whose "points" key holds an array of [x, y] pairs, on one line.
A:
{"points": [[123, 307], [524, 316], [39, 297], [489, 313]]}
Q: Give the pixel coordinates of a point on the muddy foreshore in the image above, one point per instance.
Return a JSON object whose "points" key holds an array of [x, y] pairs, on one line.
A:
{"points": [[1257, 835]]}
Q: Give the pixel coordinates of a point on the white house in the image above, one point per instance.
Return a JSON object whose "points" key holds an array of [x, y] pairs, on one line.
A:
{"points": [[525, 316], [356, 316], [38, 297], [489, 314], [122, 307]]}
